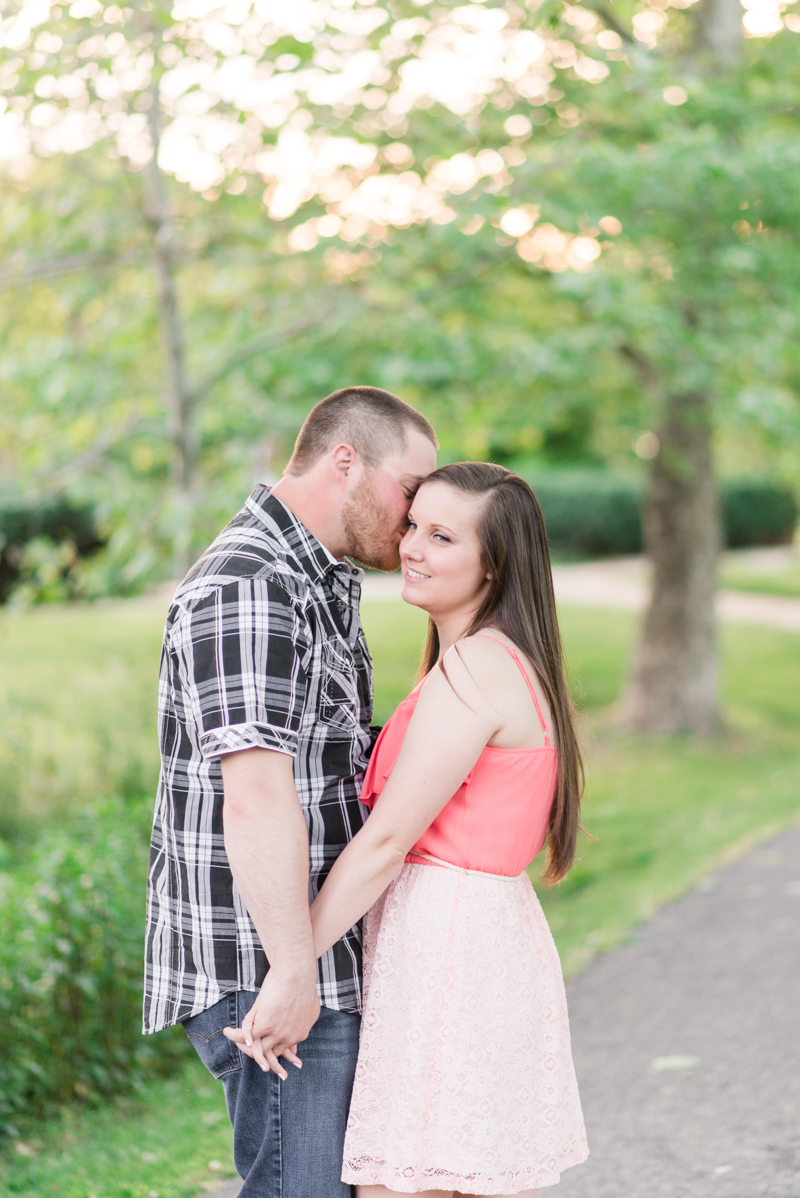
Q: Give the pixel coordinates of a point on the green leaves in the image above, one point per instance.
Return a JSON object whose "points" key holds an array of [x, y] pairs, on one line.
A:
{"points": [[336, 182], [70, 964]]}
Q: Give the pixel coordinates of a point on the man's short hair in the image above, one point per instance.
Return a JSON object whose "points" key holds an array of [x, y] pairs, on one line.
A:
{"points": [[373, 421]]}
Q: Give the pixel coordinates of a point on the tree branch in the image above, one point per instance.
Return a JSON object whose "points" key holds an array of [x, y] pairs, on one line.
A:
{"points": [[642, 365], [251, 349], [611, 22], [50, 268], [59, 477]]}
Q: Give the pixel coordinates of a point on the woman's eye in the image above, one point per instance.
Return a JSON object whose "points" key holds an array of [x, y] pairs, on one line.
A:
{"points": [[439, 536], [411, 524]]}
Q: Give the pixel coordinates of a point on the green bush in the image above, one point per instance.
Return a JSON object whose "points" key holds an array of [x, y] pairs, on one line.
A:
{"points": [[597, 514], [757, 512], [71, 949], [41, 545], [590, 513]]}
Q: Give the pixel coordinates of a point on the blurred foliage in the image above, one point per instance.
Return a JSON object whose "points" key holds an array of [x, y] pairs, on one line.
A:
{"points": [[71, 965], [77, 712], [596, 513], [591, 514], [512, 351], [757, 513], [41, 548], [172, 1137]]}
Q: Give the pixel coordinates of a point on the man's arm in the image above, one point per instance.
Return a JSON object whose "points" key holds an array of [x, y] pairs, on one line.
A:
{"points": [[266, 840]]}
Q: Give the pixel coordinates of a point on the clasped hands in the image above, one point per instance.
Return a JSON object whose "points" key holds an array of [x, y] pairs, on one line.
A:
{"points": [[286, 1009]]}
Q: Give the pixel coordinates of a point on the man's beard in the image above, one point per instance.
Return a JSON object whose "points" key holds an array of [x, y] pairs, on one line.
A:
{"points": [[372, 538]]}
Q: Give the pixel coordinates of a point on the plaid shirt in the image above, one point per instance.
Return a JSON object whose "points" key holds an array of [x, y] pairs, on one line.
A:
{"points": [[263, 648]]}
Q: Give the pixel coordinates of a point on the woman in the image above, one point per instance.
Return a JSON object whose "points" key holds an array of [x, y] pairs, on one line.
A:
{"points": [[465, 1082]]}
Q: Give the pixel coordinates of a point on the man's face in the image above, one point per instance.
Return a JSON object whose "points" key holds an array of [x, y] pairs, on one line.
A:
{"points": [[375, 516]]}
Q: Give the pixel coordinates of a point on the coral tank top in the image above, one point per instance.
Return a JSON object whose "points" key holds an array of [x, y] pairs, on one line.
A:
{"points": [[496, 822]]}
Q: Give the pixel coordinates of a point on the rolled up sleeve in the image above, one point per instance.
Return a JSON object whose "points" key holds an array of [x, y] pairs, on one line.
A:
{"points": [[239, 662]]}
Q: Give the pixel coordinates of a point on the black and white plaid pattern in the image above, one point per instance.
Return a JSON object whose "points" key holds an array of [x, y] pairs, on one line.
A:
{"points": [[263, 648]]}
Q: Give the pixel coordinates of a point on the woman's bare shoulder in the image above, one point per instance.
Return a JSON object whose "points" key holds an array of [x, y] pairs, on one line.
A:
{"points": [[484, 657], [462, 687]]}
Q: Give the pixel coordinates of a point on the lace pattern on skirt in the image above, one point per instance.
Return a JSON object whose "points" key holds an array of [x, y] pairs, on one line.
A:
{"points": [[465, 1078]]}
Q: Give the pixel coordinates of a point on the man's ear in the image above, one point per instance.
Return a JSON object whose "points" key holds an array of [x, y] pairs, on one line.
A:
{"points": [[343, 458]]}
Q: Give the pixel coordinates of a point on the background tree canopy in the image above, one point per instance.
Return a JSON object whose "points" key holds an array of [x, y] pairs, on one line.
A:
{"points": [[538, 223]]}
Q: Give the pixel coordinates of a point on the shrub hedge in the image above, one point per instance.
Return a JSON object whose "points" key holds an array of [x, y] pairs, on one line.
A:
{"points": [[57, 522], [755, 512], [590, 513], [596, 514], [71, 948]]}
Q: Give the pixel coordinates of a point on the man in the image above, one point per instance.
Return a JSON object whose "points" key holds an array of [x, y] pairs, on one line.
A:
{"points": [[265, 707]]}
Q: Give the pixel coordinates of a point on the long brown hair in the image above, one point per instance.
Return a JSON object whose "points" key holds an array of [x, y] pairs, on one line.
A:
{"points": [[520, 602]]}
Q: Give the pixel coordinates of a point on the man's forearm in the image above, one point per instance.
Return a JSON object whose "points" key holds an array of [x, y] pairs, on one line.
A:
{"points": [[266, 840]]}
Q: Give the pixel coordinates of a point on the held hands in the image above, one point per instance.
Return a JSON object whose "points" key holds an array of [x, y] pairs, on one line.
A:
{"points": [[281, 1017], [258, 1051]]}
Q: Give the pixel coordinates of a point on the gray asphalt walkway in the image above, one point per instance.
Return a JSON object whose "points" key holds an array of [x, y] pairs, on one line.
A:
{"points": [[625, 583], [221, 1189], [687, 1043]]}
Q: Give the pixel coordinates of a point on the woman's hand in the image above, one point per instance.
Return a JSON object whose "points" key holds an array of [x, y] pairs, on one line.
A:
{"points": [[260, 1050], [284, 1012]]}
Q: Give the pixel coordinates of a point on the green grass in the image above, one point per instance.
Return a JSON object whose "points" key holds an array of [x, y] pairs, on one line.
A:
{"points": [[395, 634], [783, 582], [164, 1145], [77, 709], [77, 688]]}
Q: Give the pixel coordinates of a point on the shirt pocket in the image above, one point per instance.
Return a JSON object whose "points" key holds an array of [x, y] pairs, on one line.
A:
{"points": [[339, 689]]}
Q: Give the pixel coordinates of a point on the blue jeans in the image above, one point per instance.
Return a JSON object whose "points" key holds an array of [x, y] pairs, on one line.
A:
{"points": [[288, 1137]]}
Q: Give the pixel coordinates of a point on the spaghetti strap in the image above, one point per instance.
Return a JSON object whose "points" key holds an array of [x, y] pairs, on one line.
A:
{"points": [[488, 637]]}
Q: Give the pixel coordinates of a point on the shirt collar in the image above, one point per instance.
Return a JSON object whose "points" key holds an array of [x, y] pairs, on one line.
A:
{"points": [[312, 556]]}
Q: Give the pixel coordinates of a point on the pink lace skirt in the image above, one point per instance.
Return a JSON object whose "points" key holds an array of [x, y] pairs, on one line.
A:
{"points": [[465, 1079]]}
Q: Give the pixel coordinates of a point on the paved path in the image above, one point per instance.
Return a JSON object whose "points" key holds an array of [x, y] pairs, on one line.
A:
{"points": [[623, 583], [221, 1189], [715, 980]]}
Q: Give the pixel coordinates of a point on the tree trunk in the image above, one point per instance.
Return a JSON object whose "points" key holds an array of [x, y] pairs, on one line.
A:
{"points": [[673, 688], [720, 29], [673, 684], [180, 403]]}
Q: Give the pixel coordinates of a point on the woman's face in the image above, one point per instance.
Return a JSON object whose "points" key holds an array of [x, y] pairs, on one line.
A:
{"points": [[440, 554]]}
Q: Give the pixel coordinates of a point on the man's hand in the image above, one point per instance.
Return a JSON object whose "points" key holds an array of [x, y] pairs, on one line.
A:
{"points": [[281, 1017]]}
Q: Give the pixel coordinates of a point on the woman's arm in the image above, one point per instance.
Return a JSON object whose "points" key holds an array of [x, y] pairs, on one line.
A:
{"points": [[451, 725]]}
